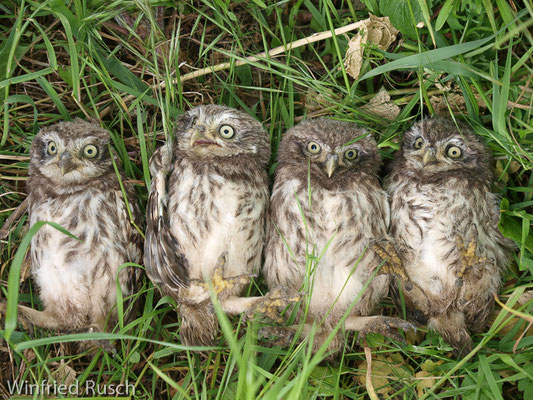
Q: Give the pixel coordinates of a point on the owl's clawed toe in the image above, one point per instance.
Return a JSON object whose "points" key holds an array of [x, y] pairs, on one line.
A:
{"points": [[386, 326], [218, 283], [271, 304], [94, 345], [469, 259], [276, 335], [25, 321], [392, 264]]}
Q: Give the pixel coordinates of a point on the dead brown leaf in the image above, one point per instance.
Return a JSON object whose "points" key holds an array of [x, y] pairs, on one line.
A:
{"points": [[384, 371], [425, 381], [451, 99], [382, 106], [64, 373], [375, 30]]}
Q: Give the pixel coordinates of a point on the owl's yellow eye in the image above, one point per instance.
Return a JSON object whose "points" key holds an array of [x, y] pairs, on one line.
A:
{"points": [[454, 152], [52, 148], [350, 154], [418, 143], [90, 151], [313, 148], [226, 131]]}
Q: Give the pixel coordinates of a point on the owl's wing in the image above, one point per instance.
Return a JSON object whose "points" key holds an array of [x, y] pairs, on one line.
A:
{"points": [[165, 266]]}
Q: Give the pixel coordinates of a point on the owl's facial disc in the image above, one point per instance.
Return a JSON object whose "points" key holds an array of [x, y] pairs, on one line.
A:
{"points": [[437, 154], [71, 162]]}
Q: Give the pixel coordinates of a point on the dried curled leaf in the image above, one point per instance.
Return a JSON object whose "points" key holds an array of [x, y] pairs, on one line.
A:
{"points": [[376, 30], [424, 381], [64, 373], [314, 101], [382, 106], [451, 99]]}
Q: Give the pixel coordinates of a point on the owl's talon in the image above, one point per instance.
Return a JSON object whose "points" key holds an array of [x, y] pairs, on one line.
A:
{"points": [[388, 327], [392, 263], [218, 283], [468, 258], [26, 323], [270, 304], [276, 335]]}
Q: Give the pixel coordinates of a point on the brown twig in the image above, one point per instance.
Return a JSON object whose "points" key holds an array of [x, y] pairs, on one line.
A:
{"points": [[316, 37], [21, 209]]}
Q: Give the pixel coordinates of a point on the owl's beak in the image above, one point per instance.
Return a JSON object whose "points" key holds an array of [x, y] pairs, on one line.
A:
{"points": [[200, 138], [66, 164], [429, 156], [330, 164]]}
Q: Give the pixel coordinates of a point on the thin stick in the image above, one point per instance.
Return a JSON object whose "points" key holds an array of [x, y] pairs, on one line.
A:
{"points": [[21, 209], [316, 37]]}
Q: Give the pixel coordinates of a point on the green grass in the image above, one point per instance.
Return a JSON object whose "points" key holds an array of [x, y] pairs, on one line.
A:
{"points": [[77, 59]]}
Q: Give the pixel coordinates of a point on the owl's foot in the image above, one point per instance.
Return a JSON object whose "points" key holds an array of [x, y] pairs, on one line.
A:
{"points": [[218, 283], [94, 345], [277, 335], [453, 329], [271, 304], [386, 326], [393, 265], [26, 317], [468, 258]]}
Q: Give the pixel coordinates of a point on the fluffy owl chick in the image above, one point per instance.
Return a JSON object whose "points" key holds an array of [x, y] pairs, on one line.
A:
{"points": [[206, 216], [444, 221], [72, 182], [327, 202]]}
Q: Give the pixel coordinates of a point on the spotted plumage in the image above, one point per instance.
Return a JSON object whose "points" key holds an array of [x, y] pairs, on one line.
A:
{"points": [[73, 184], [207, 210], [327, 203], [441, 209]]}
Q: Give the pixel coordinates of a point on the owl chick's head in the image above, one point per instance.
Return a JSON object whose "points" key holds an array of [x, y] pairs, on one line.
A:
{"points": [[332, 151], [437, 145], [71, 153], [212, 132]]}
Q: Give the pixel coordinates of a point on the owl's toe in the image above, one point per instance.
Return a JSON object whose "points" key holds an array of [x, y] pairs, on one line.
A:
{"points": [[271, 304], [276, 335], [388, 327], [469, 260], [220, 284], [26, 322], [93, 346]]}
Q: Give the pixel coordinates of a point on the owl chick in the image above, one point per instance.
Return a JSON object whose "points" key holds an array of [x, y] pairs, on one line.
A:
{"points": [[206, 217], [72, 182], [440, 195], [327, 202]]}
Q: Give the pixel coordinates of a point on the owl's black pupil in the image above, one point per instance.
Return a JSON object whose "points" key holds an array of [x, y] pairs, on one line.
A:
{"points": [[313, 147], [350, 154]]}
